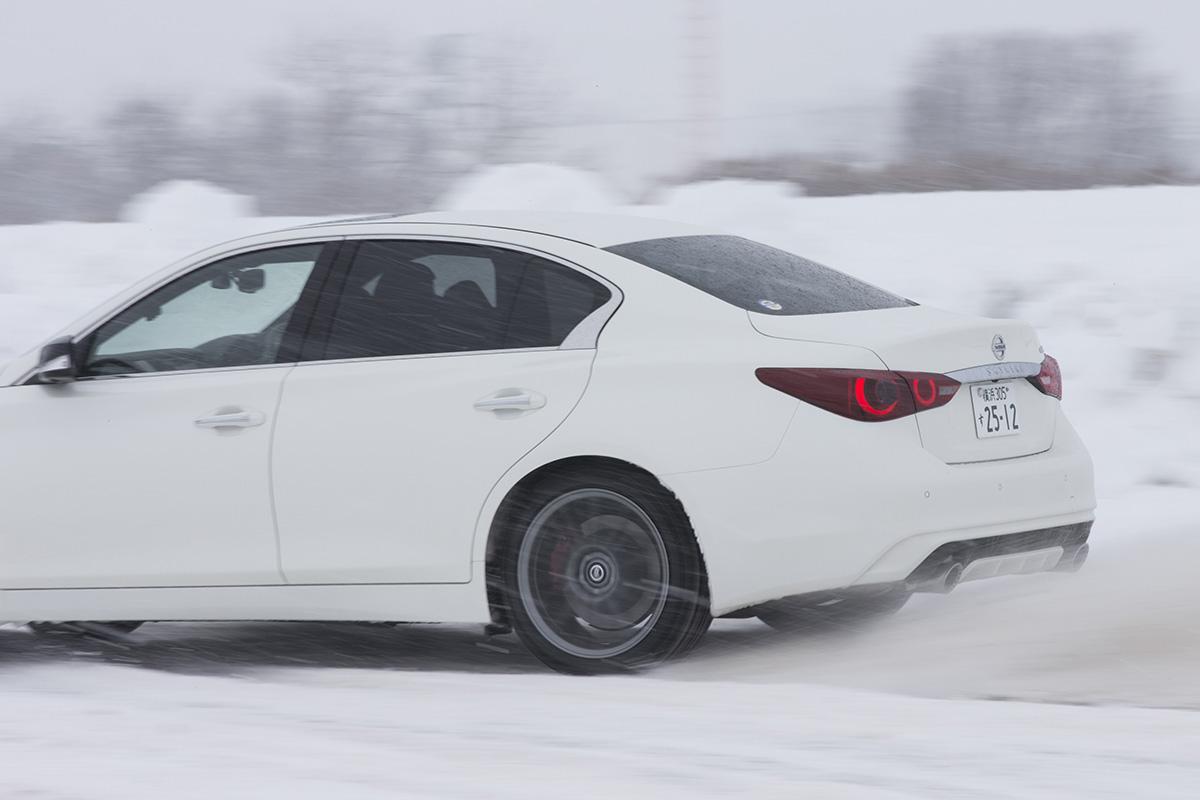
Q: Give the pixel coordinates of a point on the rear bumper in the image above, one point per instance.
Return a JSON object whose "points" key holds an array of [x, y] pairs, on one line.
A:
{"points": [[843, 504], [907, 559], [1063, 547]]}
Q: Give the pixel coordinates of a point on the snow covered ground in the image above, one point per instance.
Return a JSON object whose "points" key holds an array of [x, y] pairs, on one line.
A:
{"points": [[1099, 672]]}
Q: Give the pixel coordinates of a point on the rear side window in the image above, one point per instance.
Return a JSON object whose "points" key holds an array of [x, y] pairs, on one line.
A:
{"points": [[424, 297], [550, 303], [756, 277]]}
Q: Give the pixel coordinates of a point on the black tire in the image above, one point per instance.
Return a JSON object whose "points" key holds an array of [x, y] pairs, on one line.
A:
{"points": [[802, 615], [695, 635], [601, 573]]}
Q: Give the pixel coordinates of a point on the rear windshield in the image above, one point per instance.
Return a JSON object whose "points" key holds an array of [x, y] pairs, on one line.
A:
{"points": [[756, 277]]}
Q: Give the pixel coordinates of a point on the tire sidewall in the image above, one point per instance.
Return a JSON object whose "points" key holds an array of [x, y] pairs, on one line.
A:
{"points": [[685, 610]]}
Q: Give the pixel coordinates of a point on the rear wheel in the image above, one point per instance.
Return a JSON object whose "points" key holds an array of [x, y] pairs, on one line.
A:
{"points": [[808, 615], [602, 573]]}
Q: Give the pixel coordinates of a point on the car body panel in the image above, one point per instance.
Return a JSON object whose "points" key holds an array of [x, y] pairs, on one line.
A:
{"points": [[921, 338], [376, 602], [839, 496], [949, 432], [111, 482], [381, 465], [595, 230]]}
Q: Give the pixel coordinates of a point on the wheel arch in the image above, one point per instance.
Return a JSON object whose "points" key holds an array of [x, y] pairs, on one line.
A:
{"points": [[497, 602]]}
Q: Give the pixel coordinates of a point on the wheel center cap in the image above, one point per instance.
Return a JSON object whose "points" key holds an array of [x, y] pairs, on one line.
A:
{"points": [[597, 572]]}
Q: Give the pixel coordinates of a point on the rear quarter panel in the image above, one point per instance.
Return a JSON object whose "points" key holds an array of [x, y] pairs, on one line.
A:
{"points": [[673, 392]]}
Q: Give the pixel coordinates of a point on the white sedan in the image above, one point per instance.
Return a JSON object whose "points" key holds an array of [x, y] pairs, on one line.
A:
{"points": [[597, 432]]}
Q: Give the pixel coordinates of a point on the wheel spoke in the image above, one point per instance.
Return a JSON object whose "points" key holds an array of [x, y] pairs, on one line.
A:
{"points": [[593, 573]]}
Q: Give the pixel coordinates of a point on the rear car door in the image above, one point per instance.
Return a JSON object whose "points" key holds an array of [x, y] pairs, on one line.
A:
{"points": [[152, 469], [433, 366]]}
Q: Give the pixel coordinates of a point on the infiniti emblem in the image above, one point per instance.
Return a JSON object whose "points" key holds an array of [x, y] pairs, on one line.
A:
{"points": [[998, 347]]}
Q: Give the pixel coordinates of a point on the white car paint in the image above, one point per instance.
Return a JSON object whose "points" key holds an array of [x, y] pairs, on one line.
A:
{"points": [[112, 483], [414, 456], [381, 480]]}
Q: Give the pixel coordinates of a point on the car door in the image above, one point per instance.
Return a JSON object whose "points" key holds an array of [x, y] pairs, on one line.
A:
{"points": [[152, 468], [432, 369]]}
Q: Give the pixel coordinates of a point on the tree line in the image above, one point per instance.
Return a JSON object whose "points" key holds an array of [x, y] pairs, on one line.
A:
{"points": [[361, 127], [1009, 111], [346, 128]]}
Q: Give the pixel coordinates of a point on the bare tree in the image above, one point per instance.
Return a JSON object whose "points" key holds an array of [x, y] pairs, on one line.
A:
{"points": [[1024, 103], [144, 143], [46, 174], [388, 128], [348, 126]]}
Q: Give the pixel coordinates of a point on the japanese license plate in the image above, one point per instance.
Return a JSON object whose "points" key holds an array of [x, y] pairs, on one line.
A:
{"points": [[997, 412]]}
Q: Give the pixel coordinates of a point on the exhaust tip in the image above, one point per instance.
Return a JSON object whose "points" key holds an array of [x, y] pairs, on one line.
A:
{"points": [[1073, 560], [941, 582], [952, 577]]}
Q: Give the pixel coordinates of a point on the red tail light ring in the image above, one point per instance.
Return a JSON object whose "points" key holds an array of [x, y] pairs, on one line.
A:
{"points": [[925, 392], [869, 395], [864, 404]]}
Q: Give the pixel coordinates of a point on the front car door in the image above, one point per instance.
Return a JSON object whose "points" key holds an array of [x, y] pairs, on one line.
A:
{"points": [[152, 469], [436, 366]]}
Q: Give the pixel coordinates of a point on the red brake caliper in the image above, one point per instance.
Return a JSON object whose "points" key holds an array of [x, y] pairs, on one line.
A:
{"points": [[558, 563]]}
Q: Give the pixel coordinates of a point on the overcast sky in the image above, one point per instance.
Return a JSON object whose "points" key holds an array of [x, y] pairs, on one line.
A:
{"points": [[70, 54], [609, 59]]}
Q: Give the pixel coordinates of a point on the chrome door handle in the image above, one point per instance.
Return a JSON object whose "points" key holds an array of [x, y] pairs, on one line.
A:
{"points": [[516, 400], [232, 419]]}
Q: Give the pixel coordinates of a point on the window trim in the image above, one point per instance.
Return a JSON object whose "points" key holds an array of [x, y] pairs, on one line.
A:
{"points": [[584, 336], [299, 324], [333, 265], [413, 356]]}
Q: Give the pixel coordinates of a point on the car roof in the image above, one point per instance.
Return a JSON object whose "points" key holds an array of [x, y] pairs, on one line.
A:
{"points": [[598, 230]]}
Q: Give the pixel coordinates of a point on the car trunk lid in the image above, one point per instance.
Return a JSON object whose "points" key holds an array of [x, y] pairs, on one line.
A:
{"points": [[977, 351]]}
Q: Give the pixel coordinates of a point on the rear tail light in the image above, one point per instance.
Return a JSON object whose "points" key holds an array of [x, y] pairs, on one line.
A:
{"points": [[1049, 379], [869, 395]]}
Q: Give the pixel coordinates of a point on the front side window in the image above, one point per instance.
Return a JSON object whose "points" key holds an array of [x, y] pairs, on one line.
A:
{"points": [[422, 297], [230, 313]]}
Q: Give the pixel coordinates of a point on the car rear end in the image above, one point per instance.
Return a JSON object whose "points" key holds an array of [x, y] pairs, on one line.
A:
{"points": [[991, 454], [948, 459]]}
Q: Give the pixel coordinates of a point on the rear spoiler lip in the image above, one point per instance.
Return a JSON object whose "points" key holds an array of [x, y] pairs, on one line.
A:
{"points": [[995, 372]]}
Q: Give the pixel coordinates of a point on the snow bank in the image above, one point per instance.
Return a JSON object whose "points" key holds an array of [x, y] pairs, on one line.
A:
{"points": [[181, 204], [749, 206], [52, 273], [532, 186]]}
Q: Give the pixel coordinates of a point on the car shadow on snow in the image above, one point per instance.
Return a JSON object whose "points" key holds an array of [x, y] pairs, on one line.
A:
{"points": [[232, 648]]}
